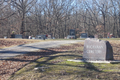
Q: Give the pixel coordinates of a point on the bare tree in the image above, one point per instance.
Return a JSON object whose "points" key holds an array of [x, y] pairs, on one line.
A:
{"points": [[23, 7], [58, 16]]}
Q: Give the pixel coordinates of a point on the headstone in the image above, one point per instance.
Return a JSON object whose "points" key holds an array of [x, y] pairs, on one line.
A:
{"points": [[29, 37], [53, 37], [72, 32], [5, 37], [33, 37], [18, 36], [12, 36], [71, 37], [49, 36], [83, 35], [95, 36], [40, 37], [95, 49]]}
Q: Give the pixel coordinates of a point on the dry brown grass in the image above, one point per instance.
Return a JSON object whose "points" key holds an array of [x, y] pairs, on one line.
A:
{"points": [[58, 66], [10, 66], [13, 42]]}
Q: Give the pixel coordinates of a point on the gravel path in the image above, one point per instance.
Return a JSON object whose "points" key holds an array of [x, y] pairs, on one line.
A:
{"points": [[22, 49]]}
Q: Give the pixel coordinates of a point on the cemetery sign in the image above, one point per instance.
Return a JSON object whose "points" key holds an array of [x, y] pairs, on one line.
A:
{"points": [[95, 49]]}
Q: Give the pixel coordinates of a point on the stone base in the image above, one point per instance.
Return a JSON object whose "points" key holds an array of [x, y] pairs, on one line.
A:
{"points": [[89, 61]]}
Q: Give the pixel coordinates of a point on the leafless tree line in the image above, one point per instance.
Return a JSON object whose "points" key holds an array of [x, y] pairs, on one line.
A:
{"points": [[57, 17]]}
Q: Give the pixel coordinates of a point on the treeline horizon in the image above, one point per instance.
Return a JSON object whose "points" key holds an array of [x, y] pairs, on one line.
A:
{"points": [[57, 17]]}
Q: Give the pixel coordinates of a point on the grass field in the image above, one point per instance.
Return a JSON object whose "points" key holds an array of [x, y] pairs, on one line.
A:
{"points": [[53, 65]]}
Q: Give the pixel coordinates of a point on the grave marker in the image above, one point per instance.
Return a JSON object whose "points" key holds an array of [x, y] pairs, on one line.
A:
{"points": [[18, 36]]}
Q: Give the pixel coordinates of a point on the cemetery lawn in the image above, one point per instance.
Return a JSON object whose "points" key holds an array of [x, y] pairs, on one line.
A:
{"points": [[52, 64]]}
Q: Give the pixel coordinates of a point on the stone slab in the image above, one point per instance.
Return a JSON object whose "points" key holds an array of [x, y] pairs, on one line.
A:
{"points": [[89, 61], [18, 36], [95, 49]]}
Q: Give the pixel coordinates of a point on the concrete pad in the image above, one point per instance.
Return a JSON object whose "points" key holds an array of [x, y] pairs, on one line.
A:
{"points": [[89, 61]]}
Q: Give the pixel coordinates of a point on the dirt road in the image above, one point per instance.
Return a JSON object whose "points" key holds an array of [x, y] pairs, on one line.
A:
{"points": [[22, 49]]}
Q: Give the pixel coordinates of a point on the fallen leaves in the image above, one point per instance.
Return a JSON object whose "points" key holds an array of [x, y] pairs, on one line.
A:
{"points": [[7, 43], [10, 66]]}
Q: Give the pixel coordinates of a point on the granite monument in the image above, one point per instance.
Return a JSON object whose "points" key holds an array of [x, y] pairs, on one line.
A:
{"points": [[95, 49]]}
